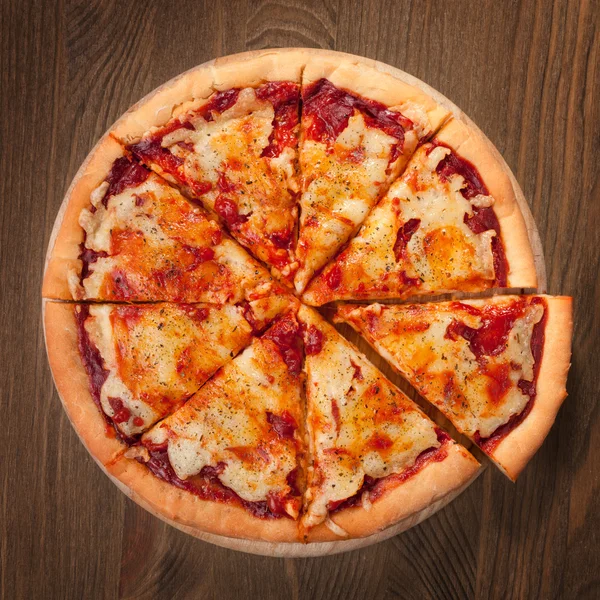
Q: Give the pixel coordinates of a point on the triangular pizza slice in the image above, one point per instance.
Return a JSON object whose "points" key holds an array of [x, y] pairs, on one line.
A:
{"points": [[144, 361], [376, 458], [236, 152], [359, 127], [451, 222], [133, 237], [496, 367], [239, 440]]}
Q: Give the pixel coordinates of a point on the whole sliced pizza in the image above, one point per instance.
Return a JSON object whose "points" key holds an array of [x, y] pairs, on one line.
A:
{"points": [[205, 248]]}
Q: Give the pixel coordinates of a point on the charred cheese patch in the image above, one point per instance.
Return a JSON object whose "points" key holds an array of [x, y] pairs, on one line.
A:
{"points": [[471, 359], [415, 241], [157, 356], [147, 242], [359, 425], [244, 423]]}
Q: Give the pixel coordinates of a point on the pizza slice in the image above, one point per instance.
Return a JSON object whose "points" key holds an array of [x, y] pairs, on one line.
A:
{"points": [[236, 152], [496, 367], [231, 459], [376, 458], [144, 361], [133, 237], [359, 127], [451, 222]]}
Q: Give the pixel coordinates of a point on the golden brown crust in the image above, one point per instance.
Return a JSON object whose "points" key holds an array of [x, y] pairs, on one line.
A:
{"points": [[517, 448], [248, 69], [183, 507], [67, 234], [353, 74], [435, 481], [481, 153], [72, 383]]}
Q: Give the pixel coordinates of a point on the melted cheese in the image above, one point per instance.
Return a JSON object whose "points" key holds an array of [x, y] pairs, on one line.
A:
{"points": [[341, 185], [225, 424], [445, 370], [230, 147], [443, 254], [350, 406], [150, 234], [158, 355]]}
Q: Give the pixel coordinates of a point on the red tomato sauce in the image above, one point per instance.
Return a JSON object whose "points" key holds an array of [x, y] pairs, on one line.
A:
{"points": [[284, 425], [97, 374], [313, 340], [285, 333], [483, 218], [405, 232], [329, 109], [207, 485], [285, 98]]}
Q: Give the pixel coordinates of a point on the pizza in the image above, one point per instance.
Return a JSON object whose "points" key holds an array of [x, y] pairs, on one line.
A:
{"points": [[240, 435], [497, 368], [182, 278], [449, 223]]}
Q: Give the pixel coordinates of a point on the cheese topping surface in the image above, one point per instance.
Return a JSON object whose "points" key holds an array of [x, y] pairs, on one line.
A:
{"points": [[359, 424], [158, 355], [244, 422], [472, 359], [342, 181], [149, 243], [229, 159]]}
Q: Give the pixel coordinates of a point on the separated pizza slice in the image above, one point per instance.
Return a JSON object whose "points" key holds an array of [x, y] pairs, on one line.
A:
{"points": [[127, 235], [376, 458], [496, 367], [359, 127], [450, 223], [231, 460], [236, 152], [139, 363]]}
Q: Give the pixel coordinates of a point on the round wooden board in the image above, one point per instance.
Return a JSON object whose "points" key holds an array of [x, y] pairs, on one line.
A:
{"points": [[327, 548]]}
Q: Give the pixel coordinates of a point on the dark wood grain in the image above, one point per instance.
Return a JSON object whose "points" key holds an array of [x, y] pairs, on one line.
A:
{"points": [[527, 72]]}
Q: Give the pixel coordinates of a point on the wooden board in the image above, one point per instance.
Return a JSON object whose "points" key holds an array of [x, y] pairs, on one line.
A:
{"points": [[526, 71], [156, 100]]}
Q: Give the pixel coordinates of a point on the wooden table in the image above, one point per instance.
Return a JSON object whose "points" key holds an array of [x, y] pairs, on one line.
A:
{"points": [[526, 72]]}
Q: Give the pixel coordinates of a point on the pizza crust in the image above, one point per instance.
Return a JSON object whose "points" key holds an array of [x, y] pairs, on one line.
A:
{"points": [[184, 508], [469, 144], [367, 81], [518, 447], [249, 69], [62, 258], [405, 501], [402, 506], [72, 383]]}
